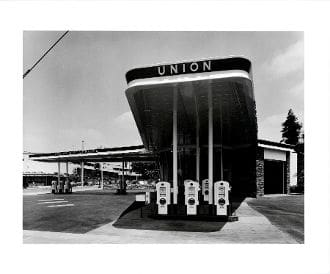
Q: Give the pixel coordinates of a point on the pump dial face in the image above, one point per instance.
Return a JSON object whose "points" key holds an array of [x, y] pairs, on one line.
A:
{"points": [[221, 190], [162, 201], [191, 190], [162, 190]]}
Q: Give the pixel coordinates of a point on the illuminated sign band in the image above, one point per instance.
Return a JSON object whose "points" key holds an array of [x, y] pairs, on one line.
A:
{"points": [[235, 63], [184, 68]]}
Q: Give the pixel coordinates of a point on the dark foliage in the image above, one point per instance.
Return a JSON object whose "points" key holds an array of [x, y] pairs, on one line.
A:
{"points": [[291, 129]]}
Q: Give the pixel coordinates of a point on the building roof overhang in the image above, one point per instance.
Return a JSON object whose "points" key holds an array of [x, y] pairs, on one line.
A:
{"points": [[129, 154], [116, 154], [275, 145]]}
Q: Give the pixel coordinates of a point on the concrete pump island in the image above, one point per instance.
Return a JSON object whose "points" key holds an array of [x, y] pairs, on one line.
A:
{"points": [[218, 183]]}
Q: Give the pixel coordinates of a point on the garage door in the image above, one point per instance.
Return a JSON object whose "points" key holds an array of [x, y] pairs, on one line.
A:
{"points": [[274, 177]]}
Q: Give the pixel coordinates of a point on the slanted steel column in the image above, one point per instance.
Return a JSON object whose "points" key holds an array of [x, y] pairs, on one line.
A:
{"points": [[101, 168], [82, 173], [197, 143], [175, 145], [210, 145], [58, 172]]}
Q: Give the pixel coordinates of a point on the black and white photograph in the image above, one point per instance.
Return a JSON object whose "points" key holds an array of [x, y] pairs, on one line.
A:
{"points": [[175, 137], [165, 136]]}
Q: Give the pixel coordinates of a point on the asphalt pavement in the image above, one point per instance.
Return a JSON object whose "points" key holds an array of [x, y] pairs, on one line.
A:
{"points": [[78, 212], [96, 217]]}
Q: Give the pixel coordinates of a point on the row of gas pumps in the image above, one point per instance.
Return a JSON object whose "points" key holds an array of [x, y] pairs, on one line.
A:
{"points": [[193, 197], [61, 187]]}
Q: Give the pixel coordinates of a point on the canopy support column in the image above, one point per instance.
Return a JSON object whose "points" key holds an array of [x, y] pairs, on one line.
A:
{"points": [[175, 145], [58, 172], [101, 168], [82, 173], [210, 145], [197, 144], [221, 143], [122, 177], [67, 169]]}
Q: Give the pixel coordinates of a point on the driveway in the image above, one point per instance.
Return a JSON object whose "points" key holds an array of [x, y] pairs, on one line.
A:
{"points": [[97, 218], [284, 211]]}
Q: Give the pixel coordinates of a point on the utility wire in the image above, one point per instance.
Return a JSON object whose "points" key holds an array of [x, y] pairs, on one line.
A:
{"points": [[58, 40]]}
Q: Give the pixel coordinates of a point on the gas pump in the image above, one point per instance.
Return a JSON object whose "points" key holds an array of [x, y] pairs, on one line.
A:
{"points": [[67, 186], [191, 189], [60, 187], [205, 190], [54, 187], [221, 197], [163, 197]]}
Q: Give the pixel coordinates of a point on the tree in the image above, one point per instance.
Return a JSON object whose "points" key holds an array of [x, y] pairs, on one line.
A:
{"points": [[291, 129]]}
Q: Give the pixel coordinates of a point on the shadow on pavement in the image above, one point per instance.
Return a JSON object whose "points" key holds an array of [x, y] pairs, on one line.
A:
{"points": [[136, 216], [101, 192]]}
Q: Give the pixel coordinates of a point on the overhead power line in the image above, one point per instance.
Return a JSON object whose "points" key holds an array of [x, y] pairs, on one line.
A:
{"points": [[58, 40]]}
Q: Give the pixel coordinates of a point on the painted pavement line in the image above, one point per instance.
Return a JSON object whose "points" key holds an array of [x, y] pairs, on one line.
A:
{"points": [[61, 205], [52, 202]]}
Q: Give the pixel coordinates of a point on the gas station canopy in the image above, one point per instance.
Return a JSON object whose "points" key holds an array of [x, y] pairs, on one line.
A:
{"points": [[152, 91], [117, 154], [199, 118]]}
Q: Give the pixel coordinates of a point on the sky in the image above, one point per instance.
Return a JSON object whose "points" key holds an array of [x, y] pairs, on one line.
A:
{"points": [[77, 92]]}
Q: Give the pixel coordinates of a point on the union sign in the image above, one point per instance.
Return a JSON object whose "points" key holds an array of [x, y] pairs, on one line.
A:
{"points": [[234, 63]]}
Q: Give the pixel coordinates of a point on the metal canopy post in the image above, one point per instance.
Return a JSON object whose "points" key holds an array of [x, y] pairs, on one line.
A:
{"points": [[101, 168], [221, 143], [82, 173], [122, 177], [197, 144], [175, 145], [210, 145], [67, 169], [58, 172]]}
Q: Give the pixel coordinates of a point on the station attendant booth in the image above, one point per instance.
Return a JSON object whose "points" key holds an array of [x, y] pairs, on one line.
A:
{"points": [[199, 119]]}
